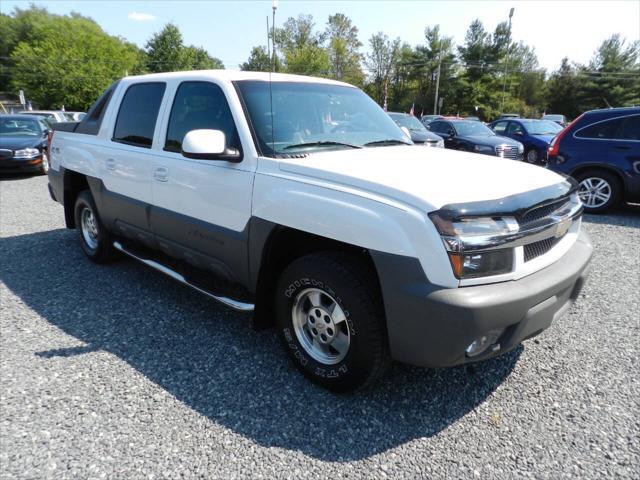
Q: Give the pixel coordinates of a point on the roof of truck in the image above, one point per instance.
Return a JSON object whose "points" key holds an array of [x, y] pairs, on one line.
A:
{"points": [[233, 75]]}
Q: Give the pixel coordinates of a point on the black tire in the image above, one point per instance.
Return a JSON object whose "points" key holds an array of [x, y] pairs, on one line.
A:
{"points": [[595, 175], [534, 154], [346, 279], [102, 251]]}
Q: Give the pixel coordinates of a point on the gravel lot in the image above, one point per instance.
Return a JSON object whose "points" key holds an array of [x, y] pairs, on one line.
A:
{"points": [[117, 372]]}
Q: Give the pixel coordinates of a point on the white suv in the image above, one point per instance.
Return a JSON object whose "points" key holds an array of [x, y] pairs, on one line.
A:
{"points": [[300, 198]]}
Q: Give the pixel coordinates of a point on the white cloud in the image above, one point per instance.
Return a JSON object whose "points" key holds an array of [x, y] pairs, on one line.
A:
{"points": [[141, 17]]}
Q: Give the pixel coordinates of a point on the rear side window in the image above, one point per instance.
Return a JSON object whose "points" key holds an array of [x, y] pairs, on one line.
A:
{"points": [[199, 105], [90, 124], [438, 127], [138, 114], [601, 130], [629, 128], [500, 127]]}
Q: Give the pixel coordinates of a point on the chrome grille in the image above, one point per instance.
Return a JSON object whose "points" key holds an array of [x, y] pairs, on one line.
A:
{"points": [[535, 249], [538, 213], [507, 151], [4, 153]]}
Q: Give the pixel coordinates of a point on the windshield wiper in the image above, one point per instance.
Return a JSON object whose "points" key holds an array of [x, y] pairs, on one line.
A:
{"points": [[389, 141], [321, 144]]}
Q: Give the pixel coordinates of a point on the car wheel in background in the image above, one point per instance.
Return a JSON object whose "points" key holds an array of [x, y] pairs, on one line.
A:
{"points": [[599, 190], [95, 240], [331, 320], [531, 156]]}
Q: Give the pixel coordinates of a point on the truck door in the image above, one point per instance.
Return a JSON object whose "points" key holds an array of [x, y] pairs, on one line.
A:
{"points": [[201, 208], [124, 196]]}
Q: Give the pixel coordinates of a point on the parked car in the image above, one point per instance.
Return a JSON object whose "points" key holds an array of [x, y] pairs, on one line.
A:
{"points": [[75, 116], [601, 150], [427, 119], [54, 116], [535, 135], [473, 118], [344, 237], [23, 144], [559, 119], [419, 133], [471, 136], [508, 115]]}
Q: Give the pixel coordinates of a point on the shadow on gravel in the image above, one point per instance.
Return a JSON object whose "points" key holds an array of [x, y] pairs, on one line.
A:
{"points": [[626, 215], [212, 361], [17, 176]]}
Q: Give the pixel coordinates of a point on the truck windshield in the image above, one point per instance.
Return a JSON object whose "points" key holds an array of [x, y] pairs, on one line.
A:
{"points": [[315, 116]]}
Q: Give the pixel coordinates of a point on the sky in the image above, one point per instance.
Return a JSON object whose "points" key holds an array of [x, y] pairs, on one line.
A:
{"points": [[229, 29]]}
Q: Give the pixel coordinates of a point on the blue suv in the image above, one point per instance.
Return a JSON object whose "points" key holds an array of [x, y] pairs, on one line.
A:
{"points": [[535, 135], [601, 150]]}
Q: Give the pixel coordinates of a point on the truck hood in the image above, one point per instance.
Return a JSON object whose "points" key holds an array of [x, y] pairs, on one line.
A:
{"points": [[425, 178]]}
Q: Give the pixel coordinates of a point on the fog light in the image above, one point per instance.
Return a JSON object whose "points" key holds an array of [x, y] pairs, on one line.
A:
{"points": [[483, 342]]}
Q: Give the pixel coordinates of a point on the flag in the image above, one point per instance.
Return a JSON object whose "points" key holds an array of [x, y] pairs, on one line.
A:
{"points": [[411, 111]]}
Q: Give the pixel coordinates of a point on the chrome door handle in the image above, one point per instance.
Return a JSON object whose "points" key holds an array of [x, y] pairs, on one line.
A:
{"points": [[161, 174], [111, 164]]}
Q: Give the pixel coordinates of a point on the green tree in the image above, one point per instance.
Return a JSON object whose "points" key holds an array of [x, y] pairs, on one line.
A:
{"points": [[166, 52], [381, 60], [344, 50], [301, 47], [258, 61], [64, 60]]}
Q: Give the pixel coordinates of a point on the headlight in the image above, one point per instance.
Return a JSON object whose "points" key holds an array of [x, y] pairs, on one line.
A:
{"points": [[26, 153], [483, 264], [520, 148], [483, 149], [479, 231], [440, 144]]}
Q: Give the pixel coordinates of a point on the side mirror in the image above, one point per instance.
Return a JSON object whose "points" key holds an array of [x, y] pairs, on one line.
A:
{"points": [[518, 133], [207, 144]]}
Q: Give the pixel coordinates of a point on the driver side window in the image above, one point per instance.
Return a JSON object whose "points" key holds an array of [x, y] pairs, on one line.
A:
{"points": [[515, 129], [199, 105]]}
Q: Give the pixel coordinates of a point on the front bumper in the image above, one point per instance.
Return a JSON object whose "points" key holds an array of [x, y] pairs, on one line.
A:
{"points": [[432, 327], [13, 165]]}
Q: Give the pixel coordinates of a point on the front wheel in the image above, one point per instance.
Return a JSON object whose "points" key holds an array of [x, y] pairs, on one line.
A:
{"points": [[531, 156], [331, 321], [44, 164]]}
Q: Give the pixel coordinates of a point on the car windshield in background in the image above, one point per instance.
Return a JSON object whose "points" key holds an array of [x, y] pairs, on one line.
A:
{"points": [[542, 127], [554, 118], [10, 127], [470, 127], [412, 123], [315, 116]]}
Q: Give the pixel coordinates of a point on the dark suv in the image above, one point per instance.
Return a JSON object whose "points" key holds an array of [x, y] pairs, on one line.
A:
{"points": [[601, 150]]}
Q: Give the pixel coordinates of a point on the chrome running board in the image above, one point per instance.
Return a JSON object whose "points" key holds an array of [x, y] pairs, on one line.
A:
{"points": [[229, 302]]}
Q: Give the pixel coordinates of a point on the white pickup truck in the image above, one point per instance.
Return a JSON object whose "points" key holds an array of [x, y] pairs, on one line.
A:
{"points": [[301, 199]]}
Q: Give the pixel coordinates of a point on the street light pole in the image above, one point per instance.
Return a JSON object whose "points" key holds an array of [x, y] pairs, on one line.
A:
{"points": [[506, 62]]}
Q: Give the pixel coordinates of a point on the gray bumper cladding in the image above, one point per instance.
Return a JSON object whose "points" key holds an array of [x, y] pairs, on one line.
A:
{"points": [[431, 327]]}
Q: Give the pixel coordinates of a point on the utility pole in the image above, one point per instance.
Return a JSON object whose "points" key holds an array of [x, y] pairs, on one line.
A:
{"points": [[435, 100], [274, 6], [506, 62]]}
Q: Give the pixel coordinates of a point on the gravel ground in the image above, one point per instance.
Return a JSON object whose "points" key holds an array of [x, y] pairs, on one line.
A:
{"points": [[117, 372]]}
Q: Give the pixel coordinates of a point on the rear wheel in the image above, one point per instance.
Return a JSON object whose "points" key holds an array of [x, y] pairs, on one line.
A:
{"points": [[599, 190], [95, 240], [331, 321]]}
